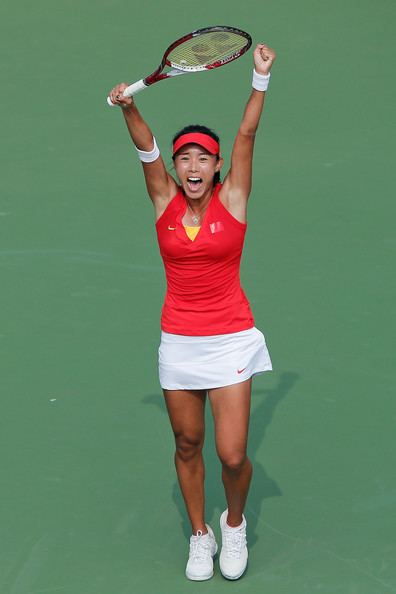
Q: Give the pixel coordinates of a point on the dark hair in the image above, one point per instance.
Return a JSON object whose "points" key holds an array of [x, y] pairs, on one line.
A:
{"points": [[202, 130]]}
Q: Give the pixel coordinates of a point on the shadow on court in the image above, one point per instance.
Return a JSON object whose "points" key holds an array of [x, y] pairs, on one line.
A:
{"points": [[263, 486]]}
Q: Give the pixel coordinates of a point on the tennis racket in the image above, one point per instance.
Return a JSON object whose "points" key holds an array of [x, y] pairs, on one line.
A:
{"points": [[203, 49]]}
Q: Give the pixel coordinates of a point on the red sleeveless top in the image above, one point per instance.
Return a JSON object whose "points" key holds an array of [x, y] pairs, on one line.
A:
{"points": [[204, 296]]}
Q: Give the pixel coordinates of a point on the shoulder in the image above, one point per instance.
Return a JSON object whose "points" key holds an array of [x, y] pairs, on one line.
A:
{"points": [[234, 201], [174, 204]]}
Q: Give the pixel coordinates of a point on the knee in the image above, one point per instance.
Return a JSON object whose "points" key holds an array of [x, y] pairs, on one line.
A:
{"points": [[233, 462], [188, 446]]}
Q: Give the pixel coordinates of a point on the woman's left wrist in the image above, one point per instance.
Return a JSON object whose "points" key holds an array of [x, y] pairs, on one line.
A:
{"points": [[260, 81], [261, 72]]}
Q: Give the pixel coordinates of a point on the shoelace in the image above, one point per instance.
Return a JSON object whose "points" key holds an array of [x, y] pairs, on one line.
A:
{"points": [[200, 547], [235, 540]]}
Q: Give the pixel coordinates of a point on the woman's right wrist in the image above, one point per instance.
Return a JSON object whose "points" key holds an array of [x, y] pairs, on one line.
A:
{"points": [[128, 108]]}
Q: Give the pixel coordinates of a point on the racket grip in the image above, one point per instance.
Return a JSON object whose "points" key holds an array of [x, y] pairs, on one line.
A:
{"points": [[130, 91], [135, 88]]}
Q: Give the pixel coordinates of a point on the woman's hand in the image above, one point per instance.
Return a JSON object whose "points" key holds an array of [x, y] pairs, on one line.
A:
{"points": [[117, 97], [264, 57]]}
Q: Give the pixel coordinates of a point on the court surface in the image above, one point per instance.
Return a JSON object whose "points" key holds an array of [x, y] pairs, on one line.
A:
{"points": [[89, 501]]}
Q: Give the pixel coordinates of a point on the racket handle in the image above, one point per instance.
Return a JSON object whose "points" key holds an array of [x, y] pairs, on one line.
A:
{"points": [[130, 91]]}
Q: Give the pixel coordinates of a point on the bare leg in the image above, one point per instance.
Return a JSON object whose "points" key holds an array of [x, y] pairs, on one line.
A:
{"points": [[231, 410], [186, 409]]}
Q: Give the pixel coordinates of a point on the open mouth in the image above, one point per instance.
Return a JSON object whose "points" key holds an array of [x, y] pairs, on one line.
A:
{"points": [[194, 183]]}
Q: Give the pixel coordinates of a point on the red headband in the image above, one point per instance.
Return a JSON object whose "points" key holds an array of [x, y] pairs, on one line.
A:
{"points": [[204, 140]]}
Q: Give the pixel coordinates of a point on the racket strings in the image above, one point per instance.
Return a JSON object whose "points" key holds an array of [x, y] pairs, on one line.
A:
{"points": [[206, 49]]}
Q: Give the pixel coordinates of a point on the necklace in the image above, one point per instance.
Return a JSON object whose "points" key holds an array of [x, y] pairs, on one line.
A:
{"points": [[196, 218]]}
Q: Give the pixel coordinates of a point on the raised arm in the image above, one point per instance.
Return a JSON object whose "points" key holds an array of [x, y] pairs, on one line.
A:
{"points": [[161, 186], [237, 184]]}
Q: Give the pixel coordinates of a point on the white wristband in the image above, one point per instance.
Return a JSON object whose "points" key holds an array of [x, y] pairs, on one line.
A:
{"points": [[149, 156], [260, 82]]}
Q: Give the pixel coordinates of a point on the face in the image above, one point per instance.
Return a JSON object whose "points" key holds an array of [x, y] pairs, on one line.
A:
{"points": [[195, 168]]}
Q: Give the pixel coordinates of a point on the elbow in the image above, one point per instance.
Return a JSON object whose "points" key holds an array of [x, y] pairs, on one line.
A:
{"points": [[248, 132]]}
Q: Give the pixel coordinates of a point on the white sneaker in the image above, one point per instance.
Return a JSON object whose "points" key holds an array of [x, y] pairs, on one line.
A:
{"points": [[234, 553], [203, 547]]}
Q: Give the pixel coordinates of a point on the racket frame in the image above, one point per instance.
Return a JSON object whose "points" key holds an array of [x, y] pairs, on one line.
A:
{"points": [[158, 74]]}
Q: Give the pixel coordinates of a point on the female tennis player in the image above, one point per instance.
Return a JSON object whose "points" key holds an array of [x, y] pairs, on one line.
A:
{"points": [[209, 344]]}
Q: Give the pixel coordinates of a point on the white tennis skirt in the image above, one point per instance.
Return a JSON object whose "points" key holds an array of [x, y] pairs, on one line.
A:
{"points": [[205, 362]]}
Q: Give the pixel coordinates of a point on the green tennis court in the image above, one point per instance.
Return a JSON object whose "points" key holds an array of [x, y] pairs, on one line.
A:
{"points": [[89, 500]]}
